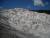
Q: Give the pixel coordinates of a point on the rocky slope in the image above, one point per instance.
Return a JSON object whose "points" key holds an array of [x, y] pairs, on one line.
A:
{"points": [[27, 21]]}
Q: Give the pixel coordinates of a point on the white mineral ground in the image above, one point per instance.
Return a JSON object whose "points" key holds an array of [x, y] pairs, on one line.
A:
{"points": [[28, 21]]}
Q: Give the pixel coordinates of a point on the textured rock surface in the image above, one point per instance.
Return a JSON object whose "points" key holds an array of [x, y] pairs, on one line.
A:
{"points": [[28, 21]]}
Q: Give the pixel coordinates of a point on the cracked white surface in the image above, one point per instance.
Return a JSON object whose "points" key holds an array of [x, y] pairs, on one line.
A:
{"points": [[28, 21]]}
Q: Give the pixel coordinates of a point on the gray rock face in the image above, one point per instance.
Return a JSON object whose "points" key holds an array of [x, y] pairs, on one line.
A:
{"points": [[31, 24]]}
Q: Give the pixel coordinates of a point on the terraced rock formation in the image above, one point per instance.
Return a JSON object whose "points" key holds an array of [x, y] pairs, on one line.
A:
{"points": [[27, 21]]}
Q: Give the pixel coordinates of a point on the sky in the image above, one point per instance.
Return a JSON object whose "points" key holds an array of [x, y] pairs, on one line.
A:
{"points": [[29, 4]]}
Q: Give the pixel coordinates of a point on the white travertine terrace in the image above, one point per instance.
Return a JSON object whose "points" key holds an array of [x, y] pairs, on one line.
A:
{"points": [[28, 21]]}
